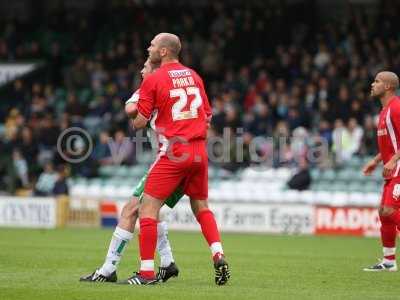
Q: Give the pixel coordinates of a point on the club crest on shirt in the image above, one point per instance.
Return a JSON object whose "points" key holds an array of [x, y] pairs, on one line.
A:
{"points": [[382, 132], [396, 191]]}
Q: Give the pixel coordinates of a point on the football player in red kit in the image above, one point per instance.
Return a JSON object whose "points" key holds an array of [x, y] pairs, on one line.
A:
{"points": [[175, 96], [384, 88]]}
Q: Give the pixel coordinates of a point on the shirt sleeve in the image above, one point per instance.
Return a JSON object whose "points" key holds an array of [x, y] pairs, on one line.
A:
{"points": [[395, 117], [147, 95], [133, 99], [207, 107]]}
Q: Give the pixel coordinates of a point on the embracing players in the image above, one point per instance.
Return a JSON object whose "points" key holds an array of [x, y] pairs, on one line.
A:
{"points": [[384, 87], [176, 96], [123, 233]]}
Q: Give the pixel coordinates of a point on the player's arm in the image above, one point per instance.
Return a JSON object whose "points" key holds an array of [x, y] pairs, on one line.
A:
{"points": [[145, 105], [140, 121], [131, 106], [389, 167], [371, 165]]}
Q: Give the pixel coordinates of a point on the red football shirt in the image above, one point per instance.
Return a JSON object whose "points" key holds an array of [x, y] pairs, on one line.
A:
{"points": [[175, 96], [389, 133]]}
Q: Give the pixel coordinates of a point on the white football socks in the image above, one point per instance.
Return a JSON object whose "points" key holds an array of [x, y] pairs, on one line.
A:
{"points": [[119, 240], [163, 245], [388, 252], [216, 248]]}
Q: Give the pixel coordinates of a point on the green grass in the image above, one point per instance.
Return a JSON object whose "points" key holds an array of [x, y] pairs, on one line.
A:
{"points": [[46, 264]]}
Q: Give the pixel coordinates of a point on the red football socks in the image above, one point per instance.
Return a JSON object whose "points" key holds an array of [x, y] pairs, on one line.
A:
{"points": [[147, 244], [208, 226], [388, 232]]}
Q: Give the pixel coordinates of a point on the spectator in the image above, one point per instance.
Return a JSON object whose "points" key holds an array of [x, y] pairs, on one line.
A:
{"points": [[280, 85], [78, 77], [301, 180], [46, 181], [102, 152], [356, 135], [21, 168], [341, 143], [369, 141], [75, 109], [121, 148], [61, 186], [29, 148]]}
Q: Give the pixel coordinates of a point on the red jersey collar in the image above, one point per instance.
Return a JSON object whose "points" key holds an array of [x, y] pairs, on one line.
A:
{"points": [[170, 64]]}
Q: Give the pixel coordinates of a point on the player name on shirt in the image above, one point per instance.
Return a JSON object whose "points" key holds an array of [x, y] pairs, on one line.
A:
{"points": [[181, 78]]}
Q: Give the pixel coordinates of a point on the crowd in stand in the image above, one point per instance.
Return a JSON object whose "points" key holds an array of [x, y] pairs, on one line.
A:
{"points": [[265, 71]]}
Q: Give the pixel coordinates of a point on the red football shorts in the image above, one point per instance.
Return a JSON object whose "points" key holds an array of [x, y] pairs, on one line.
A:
{"points": [[391, 193], [183, 165]]}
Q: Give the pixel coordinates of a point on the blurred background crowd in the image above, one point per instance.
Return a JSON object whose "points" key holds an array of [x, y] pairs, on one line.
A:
{"points": [[273, 69]]}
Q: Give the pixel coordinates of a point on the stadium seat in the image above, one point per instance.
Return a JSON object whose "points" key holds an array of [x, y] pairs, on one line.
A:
{"points": [[339, 198], [124, 191], [328, 175], [250, 173], [228, 195], [275, 197], [355, 162], [315, 174], [110, 191], [372, 199], [371, 187], [322, 186], [338, 186], [122, 171], [136, 171], [214, 194], [291, 196], [377, 175], [145, 158], [322, 197], [345, 175], [283, 174], [307, 197], [357, 175], [77, 190], [106, 171], [356, 199], [355, 187], [94, 190]]}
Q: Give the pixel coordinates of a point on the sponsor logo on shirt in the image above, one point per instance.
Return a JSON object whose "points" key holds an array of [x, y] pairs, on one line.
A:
{"points": [[179, 73]]}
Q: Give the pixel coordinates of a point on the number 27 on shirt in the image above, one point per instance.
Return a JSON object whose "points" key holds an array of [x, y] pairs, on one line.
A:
{"points": [[182, 94]]}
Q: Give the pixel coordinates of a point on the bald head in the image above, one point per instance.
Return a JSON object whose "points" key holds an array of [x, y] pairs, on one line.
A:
{"points": [[385, 85], [169, 41], [389, 79]]}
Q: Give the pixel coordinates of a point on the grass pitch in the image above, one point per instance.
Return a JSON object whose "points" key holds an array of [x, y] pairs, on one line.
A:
{"points": [[47, 264]]}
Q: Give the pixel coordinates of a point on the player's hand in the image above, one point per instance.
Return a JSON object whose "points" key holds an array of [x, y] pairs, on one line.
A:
{"points": [[369, 167], [208, 120], [131, 110], [389, 167], [131, 123]]}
